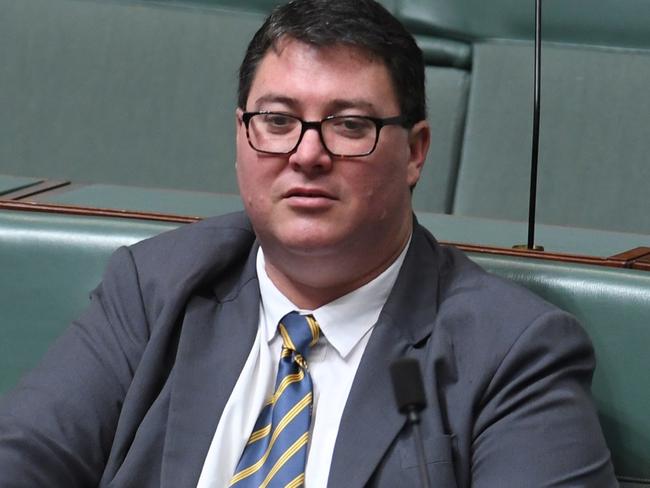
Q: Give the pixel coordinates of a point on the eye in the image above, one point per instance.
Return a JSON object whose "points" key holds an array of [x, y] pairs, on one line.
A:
{"points": [[276, 119], [352, 126], [277, 123]]}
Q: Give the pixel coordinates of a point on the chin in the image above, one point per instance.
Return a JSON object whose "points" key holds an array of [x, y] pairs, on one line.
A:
{"points": [[310, 246], [310, 240]]}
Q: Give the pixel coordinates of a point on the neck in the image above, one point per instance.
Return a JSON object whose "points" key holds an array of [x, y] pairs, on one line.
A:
{"points": [[313, 281]]}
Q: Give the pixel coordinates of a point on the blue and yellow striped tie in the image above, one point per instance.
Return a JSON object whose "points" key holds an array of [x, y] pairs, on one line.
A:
{"points": [[276, 451]]}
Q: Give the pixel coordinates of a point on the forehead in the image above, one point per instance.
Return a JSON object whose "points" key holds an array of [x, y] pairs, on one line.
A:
{"points": [[314, 75]]}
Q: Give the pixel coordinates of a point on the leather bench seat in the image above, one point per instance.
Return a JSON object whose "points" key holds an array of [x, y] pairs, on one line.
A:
{"points": [[141, 199], [614, 307], [450, 228], [142, 92], [50, 262], [49, 265]]}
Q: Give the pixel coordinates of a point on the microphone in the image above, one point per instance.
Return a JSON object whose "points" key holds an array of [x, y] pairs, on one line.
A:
{"points": [[409, 394]]}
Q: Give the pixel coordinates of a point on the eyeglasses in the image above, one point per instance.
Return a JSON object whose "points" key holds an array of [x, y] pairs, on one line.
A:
{"points": [[342, 135]]}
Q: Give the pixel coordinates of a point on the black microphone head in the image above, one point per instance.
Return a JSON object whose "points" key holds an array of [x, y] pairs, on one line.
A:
{"points": [[407, 383]]}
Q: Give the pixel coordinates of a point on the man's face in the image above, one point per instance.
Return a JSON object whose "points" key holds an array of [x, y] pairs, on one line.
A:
{"points": [[309, 202]]}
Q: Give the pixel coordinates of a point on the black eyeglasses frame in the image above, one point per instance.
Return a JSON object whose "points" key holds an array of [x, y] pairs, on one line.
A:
{"points": [[316, 125]]}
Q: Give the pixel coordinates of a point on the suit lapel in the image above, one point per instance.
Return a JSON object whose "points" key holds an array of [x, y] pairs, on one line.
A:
{"points": [[217, 335], [370, 419]]}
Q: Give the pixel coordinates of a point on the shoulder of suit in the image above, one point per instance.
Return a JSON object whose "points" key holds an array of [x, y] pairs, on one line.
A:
{"points": [[226, 233], [194, 253]]}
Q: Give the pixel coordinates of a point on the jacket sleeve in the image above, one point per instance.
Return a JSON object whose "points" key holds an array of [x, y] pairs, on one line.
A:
{"points": [[537, 424], [57, 425]]}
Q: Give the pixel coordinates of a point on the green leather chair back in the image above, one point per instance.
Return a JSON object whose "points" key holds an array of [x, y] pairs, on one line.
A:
{"points": [[595, 121], [614, 307], [139, 93], [143, 93], [49, 264], [595, 128]]}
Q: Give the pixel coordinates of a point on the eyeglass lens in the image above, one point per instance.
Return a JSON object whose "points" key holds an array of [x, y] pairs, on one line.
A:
{"points": [[279, 133]]}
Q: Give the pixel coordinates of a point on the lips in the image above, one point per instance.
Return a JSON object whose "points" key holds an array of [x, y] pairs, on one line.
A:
{"points": [[310, 200], [308, 193]]}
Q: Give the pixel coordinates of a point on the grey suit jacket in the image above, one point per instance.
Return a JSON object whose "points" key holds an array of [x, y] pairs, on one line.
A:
{"points": [[131, 394]]}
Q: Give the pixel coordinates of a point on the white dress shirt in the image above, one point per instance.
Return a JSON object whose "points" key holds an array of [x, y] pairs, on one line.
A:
{"points": [[346, 325]]}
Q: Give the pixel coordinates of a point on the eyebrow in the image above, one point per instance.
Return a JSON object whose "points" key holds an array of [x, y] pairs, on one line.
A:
{"points": [[275, 98], [333, 106], [342, 104]]}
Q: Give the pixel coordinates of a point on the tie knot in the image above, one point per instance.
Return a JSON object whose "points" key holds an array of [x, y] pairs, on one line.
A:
{"points": [[299, 332]]}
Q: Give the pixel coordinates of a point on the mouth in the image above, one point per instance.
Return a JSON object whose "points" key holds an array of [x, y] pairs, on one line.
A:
{"points": [[310, 200], [308, 193]]}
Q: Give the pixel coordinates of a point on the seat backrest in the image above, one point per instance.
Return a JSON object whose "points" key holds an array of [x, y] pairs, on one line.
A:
{"points": [[124, 92], [51, 261], [614, 307], [143, 92], [595, 128], [49, 265], [595, 121]]}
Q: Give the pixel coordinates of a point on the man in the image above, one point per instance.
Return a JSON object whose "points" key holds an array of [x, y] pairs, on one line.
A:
{"points": [[179, 371]]}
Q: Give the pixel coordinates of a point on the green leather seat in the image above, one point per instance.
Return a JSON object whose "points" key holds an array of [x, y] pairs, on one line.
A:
{"points": [[143, 93], [49, 265], [595, 125], [50, 262], [594, 119], [451, 228], [156, 200], [614, 307], [112, 91]]}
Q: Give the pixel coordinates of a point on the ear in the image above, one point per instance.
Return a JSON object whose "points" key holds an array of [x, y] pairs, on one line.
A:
{"points": [[239, 121], [240, 127], [419, 140]]}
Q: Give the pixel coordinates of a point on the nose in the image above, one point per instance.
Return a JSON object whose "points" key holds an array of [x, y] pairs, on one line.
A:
{"points": [[311, 156]]}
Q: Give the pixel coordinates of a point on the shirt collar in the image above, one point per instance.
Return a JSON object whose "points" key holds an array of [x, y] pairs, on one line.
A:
{"points": [[343, 321]]}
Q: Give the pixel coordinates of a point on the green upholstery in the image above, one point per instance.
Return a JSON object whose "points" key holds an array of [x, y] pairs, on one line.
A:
{"points": [[594, 125], [13, 183], [262, 6], [595, 130], [614, 307], [157, 200], [505, 233], [110, 91], [451, 228], [143, 93], [447, 90], [50, 262], [622, 23], [49, 265]]}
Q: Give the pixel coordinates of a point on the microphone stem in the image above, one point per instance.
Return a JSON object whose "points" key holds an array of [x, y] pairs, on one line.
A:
{"points": [[414, 419], [536, 109]]}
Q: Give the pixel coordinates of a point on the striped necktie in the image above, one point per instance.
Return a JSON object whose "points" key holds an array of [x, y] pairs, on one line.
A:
{"points": [[276, 451]]}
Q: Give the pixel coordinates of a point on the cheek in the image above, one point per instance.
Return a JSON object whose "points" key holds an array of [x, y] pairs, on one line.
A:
{"points": [[247, 178], [251, 189], [257, 180], [246, 162], [379, 192], [387, 178]]}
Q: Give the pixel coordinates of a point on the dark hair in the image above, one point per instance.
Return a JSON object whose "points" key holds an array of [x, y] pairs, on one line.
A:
{"points": [[364, 24]]}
